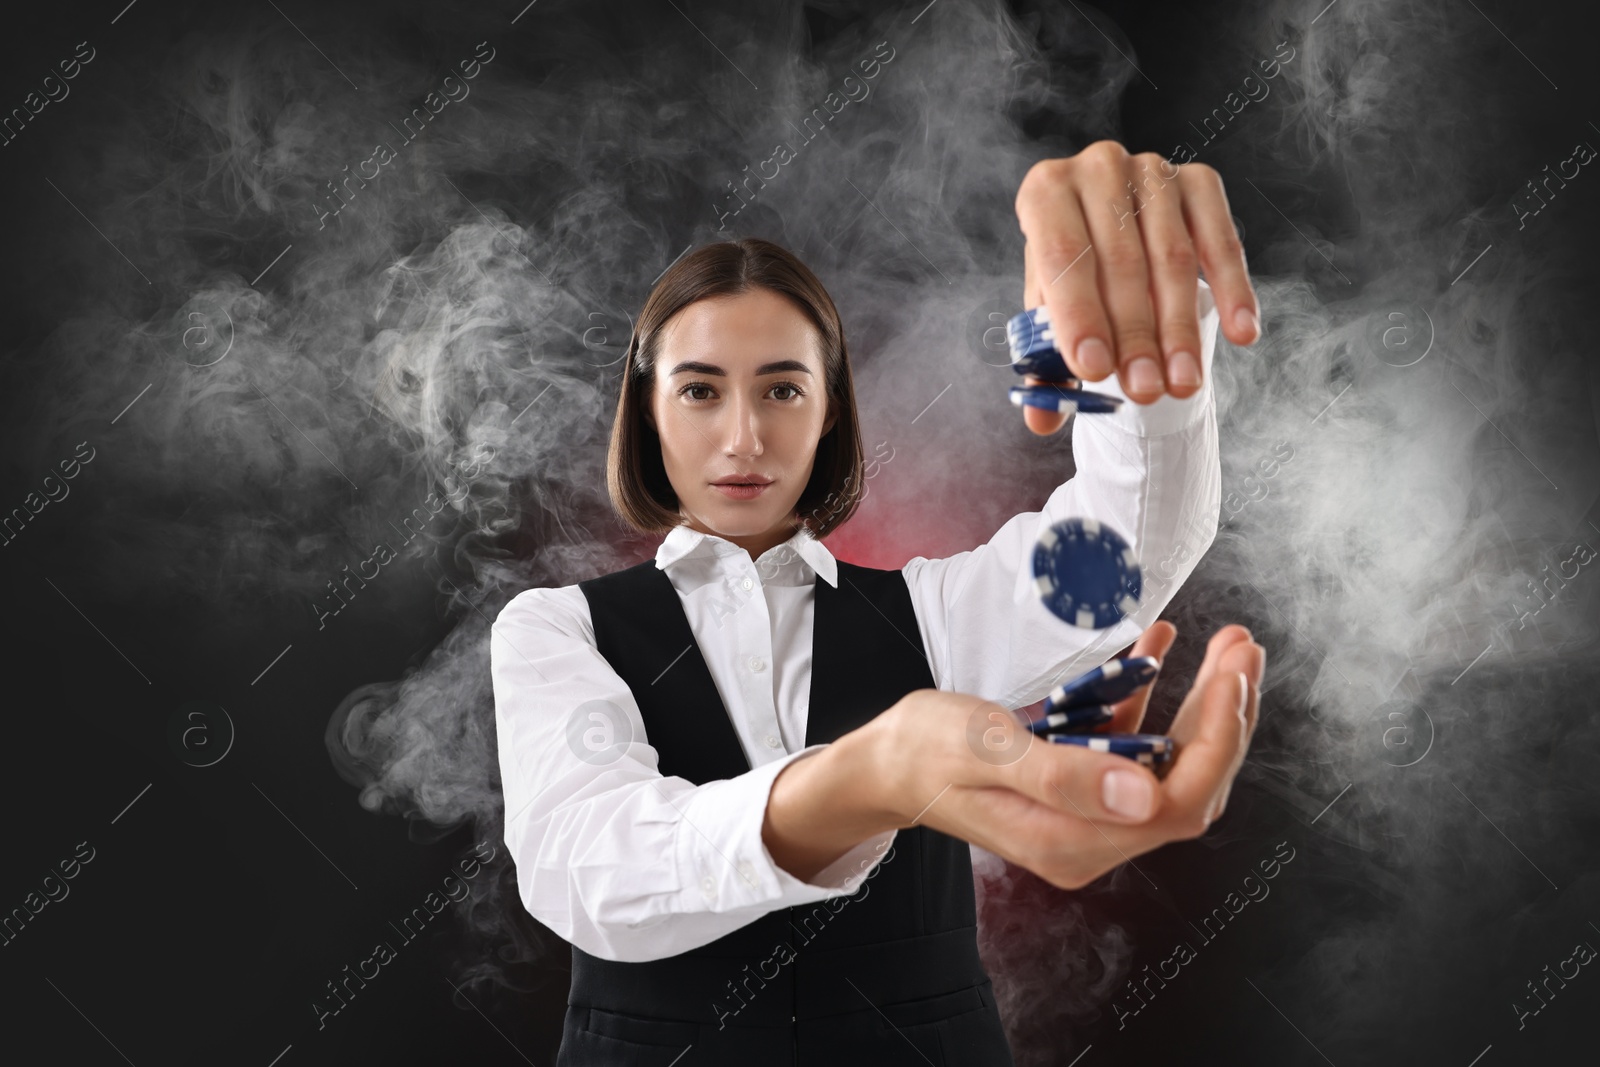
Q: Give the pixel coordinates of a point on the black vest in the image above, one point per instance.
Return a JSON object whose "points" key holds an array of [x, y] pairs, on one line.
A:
{"points": [[888, 974]]}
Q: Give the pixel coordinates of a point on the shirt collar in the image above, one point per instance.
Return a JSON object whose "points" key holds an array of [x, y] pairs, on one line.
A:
{"points": [[683, 541]]}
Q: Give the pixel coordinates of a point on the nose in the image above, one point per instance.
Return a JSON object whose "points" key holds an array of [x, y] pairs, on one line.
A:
{"points": [[743, 434]]}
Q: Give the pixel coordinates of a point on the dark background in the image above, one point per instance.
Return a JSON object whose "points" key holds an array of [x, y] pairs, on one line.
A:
{"points": [[220, 899]]}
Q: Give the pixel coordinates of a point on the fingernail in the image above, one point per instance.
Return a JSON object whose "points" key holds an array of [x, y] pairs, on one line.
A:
{"points": [[1244, 694], [1094, 358], [1245, 319], [1184, 370], [1144, 376], [1127, 794]]}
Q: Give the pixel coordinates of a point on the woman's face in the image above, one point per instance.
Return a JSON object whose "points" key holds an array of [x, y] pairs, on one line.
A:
{"points": [[740, 396]]}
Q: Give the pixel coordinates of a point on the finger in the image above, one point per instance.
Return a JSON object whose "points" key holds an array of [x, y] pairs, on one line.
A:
{"points": [[1063, 259], [1174, 266], [1248, 698], [1252, 716], [1093, 785], [1128, 714], [1029, 293], [1221, 645], [1205, 205], [1252, 701], [1254, 668], [1224, 656], [1200, 772], [1039, 420], [1116, 229]]}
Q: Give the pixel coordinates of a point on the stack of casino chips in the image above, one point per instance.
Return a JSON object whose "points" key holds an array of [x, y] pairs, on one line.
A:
{"points": [[1033, 351], [1075, 708]]}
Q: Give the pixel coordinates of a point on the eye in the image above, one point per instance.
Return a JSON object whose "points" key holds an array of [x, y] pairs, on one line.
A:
{"points": [[684, 392], [793, 388]]}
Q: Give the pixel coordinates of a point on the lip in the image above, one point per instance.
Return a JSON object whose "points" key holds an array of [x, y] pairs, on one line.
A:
{"points": [[735, 491], [740, 479]]}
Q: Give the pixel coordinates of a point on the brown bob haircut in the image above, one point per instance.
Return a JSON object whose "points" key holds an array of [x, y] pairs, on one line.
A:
{"points": [[636, 476]]}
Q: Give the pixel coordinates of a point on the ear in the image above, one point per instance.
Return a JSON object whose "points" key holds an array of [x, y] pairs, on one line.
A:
{"points": [[833, 417]]}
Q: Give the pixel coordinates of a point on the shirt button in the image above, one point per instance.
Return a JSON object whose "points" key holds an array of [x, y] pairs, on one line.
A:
{"points": [[708, 887], [748, 584], [756, 664], [772, 742], [747, 873]]}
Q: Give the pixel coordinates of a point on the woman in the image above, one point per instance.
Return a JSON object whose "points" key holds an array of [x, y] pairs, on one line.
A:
{"points": [[741, 776]]}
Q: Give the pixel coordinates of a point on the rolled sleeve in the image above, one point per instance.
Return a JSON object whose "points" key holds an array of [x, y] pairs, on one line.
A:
{"points": [[725, 862]]}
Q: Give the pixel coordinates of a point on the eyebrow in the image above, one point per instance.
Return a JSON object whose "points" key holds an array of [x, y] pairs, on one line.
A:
{"points": [[694, 367]]}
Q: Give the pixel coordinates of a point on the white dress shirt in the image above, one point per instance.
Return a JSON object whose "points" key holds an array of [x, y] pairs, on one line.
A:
{"points": [[630, 865]]}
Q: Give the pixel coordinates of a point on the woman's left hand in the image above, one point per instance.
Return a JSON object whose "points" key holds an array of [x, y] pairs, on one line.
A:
{"points": [[1113, 243]]}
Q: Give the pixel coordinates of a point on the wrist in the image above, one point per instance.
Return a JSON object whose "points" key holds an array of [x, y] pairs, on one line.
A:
{"points": [[823, 805], [875, 764]]}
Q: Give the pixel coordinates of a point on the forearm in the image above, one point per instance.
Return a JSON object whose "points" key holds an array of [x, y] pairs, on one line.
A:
{"points": [[824, 805]]}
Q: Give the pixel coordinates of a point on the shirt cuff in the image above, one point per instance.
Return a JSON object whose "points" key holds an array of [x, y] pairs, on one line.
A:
{"points": [[846, 873], [1167, 414], [725, 863]]}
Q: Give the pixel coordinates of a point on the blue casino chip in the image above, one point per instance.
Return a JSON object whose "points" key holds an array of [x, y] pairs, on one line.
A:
{"points": [[1028, 331], [1108, 683], [1033, 346], [1064, 398], [1045, 363], [1157, 747], [1086, 574], [1071, 720]]}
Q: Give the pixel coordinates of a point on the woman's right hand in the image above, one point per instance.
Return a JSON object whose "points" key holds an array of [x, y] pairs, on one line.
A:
{"points": [[970, 768]]}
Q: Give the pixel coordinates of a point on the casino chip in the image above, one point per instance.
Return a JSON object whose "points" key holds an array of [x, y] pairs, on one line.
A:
{"points": [[1033, 351], [1086, 574], [1033, 346], [1156, 748], [1108, 683], [1081, 717], [1063, 398], [1044, 363]]}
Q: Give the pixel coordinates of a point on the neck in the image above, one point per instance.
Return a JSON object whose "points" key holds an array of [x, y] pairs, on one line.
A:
{"points": [[754, 544]]}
